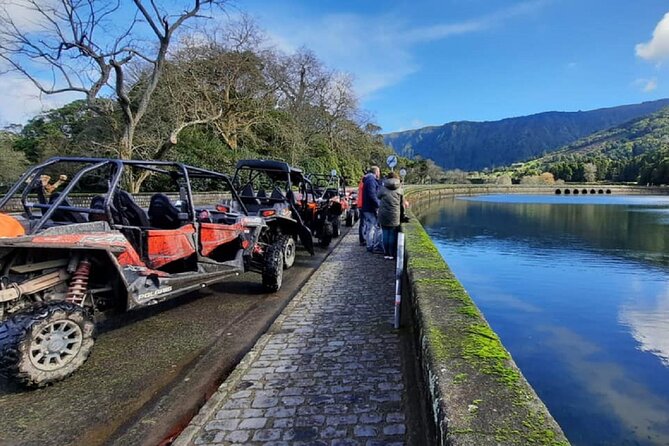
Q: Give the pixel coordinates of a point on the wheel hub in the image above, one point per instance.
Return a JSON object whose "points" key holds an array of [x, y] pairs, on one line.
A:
{"points": [[55, 345]]}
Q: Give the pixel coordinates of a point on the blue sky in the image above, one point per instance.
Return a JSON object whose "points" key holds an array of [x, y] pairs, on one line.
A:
{"points": [[426, 62]]}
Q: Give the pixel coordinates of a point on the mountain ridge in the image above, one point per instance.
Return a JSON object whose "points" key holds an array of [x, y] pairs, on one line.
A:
{"points": [[475, 145], [637, 150]]}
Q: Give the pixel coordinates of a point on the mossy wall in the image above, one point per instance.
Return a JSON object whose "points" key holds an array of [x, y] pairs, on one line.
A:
{"points": [[477, 393]]}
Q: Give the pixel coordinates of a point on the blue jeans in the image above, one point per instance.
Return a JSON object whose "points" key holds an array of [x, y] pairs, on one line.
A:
{"points": [[369, 230], [361, 231], [390, 240]]}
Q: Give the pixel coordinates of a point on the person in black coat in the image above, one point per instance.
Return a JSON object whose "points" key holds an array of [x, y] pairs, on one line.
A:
{"points": [[391, 213]]}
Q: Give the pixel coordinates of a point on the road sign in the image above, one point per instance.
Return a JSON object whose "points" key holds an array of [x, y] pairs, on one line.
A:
{"points": [[333, 173], [392, 161], [403, 172]]}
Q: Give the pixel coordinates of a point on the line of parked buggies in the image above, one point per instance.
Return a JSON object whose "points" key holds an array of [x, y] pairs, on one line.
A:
{"points": [[84, 246]]}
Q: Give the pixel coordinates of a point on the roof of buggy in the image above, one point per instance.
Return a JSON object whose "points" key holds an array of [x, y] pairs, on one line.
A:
{"points": [[193, 172], [274, 169]]}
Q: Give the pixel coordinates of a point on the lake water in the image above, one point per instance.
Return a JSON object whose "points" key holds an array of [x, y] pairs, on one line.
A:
{"points": [[578, 290]]}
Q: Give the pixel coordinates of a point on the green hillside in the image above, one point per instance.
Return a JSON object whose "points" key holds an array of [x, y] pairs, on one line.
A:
{"points": [[477, 145], [637, 151]]}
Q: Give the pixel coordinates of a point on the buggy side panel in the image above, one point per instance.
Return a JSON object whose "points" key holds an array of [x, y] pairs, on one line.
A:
{"points": [[167, 245], [114, 242], [213, 235]]}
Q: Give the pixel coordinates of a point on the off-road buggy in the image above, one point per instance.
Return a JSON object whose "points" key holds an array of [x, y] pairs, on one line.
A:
{"points": [[353, 212], [333, 204], [267, 189], [91, 248]]}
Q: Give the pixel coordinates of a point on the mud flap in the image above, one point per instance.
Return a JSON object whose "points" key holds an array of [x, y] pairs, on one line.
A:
{"points": [[306, 238], [302, 231]]}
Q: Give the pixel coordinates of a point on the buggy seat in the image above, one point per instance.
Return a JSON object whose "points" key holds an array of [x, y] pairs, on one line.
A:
{"points": [[162, 213]]}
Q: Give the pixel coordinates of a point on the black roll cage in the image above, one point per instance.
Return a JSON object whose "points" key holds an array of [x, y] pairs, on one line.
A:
{"points": [[275, 171], [31, 176], [337, 182]]}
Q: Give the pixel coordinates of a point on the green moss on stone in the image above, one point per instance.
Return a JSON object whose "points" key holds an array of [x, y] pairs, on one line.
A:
{"points": [[462, 431], [469, 310], [459, 378], [540, 436], [423, 263], [439, 343], [452, 290], [483, 347]]}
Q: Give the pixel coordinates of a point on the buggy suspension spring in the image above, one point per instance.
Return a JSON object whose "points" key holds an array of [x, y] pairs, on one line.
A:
{"points": [[79, 283]]}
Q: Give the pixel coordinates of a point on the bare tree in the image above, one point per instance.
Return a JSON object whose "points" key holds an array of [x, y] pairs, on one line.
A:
{"points": [[302, 85], [589, 172], [77, 46]]}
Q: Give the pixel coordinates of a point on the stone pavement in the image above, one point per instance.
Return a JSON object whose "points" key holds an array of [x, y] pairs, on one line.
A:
{"points": [[328, 372]]}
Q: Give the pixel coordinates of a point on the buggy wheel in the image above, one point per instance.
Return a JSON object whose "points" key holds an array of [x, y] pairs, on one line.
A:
{"points": [[288, 245], [45, 344], [349, 218], [326, 234], [272, 272], [336, 227]]}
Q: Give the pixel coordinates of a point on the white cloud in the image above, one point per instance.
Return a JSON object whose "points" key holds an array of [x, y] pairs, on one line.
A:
{"points": [[650, 326], [441, 31], [414, 124], [25, 15], [658, 47], [650, 85], [376, 50], [646, 85], [21, 100]]}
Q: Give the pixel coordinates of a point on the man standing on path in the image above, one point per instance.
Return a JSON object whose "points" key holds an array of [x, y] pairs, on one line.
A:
{"points": [[391, 213], [370, 206]]}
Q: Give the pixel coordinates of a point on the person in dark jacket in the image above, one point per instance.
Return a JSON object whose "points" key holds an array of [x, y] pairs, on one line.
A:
{"points": [[370, 207], [391, 213]]}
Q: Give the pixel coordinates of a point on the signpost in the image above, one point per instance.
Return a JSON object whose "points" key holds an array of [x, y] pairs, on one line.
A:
{"points": [[392, 161]]}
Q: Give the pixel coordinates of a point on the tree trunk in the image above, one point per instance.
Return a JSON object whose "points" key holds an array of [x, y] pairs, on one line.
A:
{"points": [[125, 152], [231, 140]]}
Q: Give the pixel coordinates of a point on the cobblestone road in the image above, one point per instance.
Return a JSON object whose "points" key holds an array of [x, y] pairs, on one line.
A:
{"points": [[328, 372]]}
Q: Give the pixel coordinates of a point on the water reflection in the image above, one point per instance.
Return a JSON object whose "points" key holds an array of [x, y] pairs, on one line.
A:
{"points": [[636, 227], [650, 326], [623, 410], [579, 294]]}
